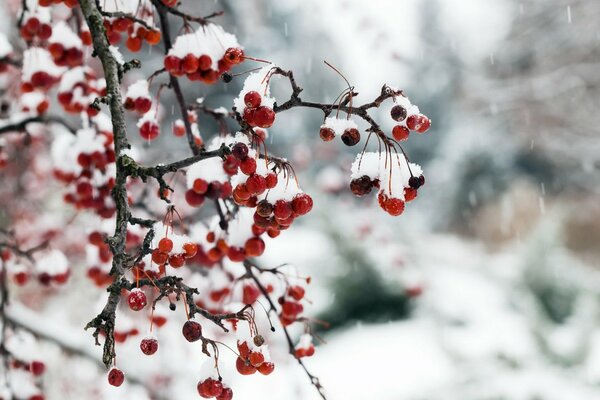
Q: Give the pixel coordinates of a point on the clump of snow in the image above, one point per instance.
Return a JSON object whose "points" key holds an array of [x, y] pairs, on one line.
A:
{"points": [[339, 125], [391, 168], [210, 40], [63, 34], [259, 82], [36, 59], [5, 47], [138, 89], [209, 170], [116, 53], [53, 262]]}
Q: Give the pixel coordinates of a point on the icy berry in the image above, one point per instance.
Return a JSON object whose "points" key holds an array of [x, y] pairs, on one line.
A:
{"points": [[398, 113], [149, 346], [136, 300], [226, 394], [425, 124], [282, 209], [192, 331], [351, 136], [116, 377], [264, 117]]}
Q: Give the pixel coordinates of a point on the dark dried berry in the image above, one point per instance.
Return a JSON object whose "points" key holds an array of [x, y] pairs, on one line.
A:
{"points": [[361, 186], [192, 331], [398, 113], [351, 136], [414, 182], [226, 77]]}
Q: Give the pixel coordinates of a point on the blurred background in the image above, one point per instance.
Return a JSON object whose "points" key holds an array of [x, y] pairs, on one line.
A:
{"points": [[488, 286]]}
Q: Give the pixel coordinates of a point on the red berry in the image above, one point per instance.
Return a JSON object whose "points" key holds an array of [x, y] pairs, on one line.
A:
{"points": [[244, 367], [249, 116], [254, 247], [425, 124], [200, 186], [165, 245], [271, 180], [234, 55], [256, 359], [302, 204], [204, 62], [176, 261], [142, 105], [194, 199], [256, 184], [37, 368], [192, 331], [137, 299], [252, 99], [248, 165], [283, 209], [264, 117], [400, 132], [264, 209], [409, 194], [394, 206], [172, 63], [149, 130], [240, 150], [266, 368], [159, 257], [149, 346], [250, 294], [326, 134], [116, 377], [297, 292], [189, 64], [226, 394], [210, 388], [190, 249], [361, 186]]}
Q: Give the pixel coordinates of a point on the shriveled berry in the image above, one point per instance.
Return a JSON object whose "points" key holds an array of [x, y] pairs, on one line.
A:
{"points": [[351, 136], [414, 182], [192, 331], [239, 151], [361, 186], [398, 113]]}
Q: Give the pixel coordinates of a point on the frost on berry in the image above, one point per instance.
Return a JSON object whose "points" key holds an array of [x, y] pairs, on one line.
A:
{"points": [[254, 102]]}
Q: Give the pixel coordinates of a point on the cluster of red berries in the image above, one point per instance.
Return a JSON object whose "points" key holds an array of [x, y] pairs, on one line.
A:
{"points": [[305, 347], [95, 273], [138, 99], [415, 122], [20, 276], [252, 358], [65, 47], [255, 114], [149, 129], [291, 307], [395, 206], [209, 388], [36, 367], [68, 3], [32, 27], [202, 189], [87, 193], [166, 253], [199, 67], [136, 33], [245, 193], [278, 216], [34, 101], [77, 90]]}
